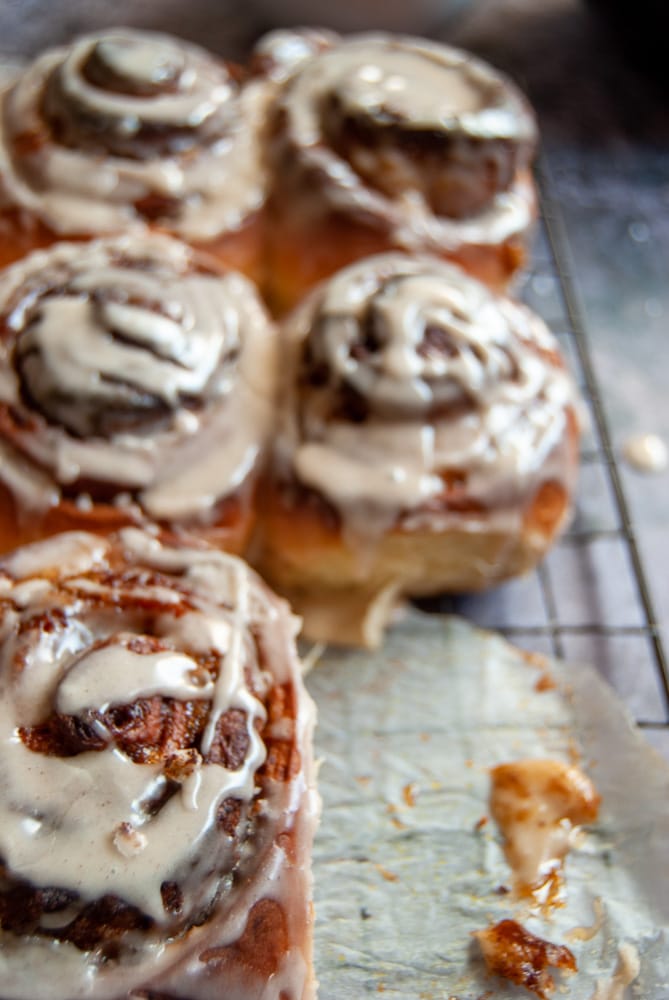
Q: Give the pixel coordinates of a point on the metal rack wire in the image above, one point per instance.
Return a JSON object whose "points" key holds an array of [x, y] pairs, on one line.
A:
{"points": [[590, 600], [555, 230]]}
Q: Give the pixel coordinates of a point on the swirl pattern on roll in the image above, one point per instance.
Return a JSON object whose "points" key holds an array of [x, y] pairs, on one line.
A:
{"points": [[417, 386], [125, 127], [151, 726], [131, 365], [424, 136]]}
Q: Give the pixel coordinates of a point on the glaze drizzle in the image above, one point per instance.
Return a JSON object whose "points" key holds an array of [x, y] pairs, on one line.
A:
{"points": [[127, 126], [129, 365], [416, 384], [185, 837], [427, 138]]}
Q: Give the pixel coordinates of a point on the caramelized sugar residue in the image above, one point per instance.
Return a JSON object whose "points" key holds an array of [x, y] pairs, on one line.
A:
{"points": [[539, 806], [513, 952]]}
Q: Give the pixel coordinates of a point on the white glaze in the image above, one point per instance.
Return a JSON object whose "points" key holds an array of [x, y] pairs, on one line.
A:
{"points": [[115, 675], [142, 59], [83, 800], [218, 181], [209, 341], [508, 429], [76, 552], [646, 452], [404, 83], [96, 837], [421, 85]]}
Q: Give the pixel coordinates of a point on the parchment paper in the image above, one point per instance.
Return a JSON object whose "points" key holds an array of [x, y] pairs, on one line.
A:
{"points": [[403, 874]]}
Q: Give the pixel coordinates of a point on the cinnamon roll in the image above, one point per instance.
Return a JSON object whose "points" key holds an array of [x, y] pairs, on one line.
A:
{"points": [[128, 129], [157, 794], [428, 443], [382, 142], [136, 384]]}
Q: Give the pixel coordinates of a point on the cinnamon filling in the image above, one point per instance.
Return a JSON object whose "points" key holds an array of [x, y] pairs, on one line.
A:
{"points": [[458, 176]]}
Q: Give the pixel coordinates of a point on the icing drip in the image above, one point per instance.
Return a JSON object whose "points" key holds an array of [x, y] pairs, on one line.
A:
{"points": [[416, 385], [135, 368], [129, 125], [423, 136], [90, 625]]}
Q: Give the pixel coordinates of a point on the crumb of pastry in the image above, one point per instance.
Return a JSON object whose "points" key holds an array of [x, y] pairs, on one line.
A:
{"points": [[511, 951], [545, 682], [587, 933]]}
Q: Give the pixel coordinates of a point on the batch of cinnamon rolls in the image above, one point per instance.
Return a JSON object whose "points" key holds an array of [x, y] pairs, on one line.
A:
{"points": [[255, 313]]}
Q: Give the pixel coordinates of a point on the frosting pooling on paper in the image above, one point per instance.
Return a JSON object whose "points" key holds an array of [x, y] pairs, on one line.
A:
{"points": [[132, 365], [418, 385], [539, 806], [128, 125]]}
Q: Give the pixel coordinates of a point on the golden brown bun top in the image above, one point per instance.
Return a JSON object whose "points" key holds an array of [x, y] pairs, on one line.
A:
{"points": [[413, 385], [145, 684], [421, 135], [134, 371], [125, 127]]}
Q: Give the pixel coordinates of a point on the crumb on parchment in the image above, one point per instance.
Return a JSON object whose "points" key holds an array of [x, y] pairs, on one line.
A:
{"points": [[511, 951]]}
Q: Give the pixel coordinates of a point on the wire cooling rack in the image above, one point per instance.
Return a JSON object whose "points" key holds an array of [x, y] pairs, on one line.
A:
{"points": [[590, 600]]}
